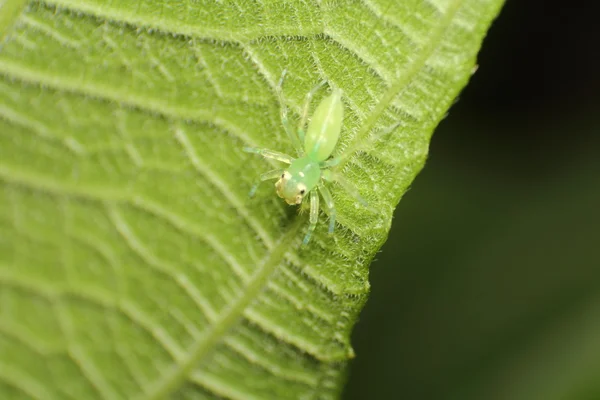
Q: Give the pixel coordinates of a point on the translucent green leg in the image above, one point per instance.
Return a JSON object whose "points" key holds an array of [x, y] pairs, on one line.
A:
{"points": [[275, 155], [276, 173], [305, 108], [348, 187], [330, 206], [314, 216], [332, 162], [367, 142], [284, 117]]}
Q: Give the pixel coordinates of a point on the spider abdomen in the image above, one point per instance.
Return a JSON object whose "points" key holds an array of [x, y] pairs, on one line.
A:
{"points": [[324, 128]]}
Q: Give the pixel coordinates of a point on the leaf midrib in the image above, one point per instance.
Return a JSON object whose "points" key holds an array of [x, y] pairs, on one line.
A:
{"points": [[179, 372]]}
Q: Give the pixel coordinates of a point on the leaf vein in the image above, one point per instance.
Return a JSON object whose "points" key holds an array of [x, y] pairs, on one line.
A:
{"points": [[222, 186], [39, 129], [183, 225], [154, 106], [277, 370], [178, 373], [159, 265], [75, 351], [24, 337], [24, 382], [11, 10], [166, 26], [126, 308], [50, 31], [220, 387], [405, 78]]}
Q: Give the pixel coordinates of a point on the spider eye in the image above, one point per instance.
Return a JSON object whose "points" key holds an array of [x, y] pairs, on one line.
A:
{"points": [[302, 191], [283, 175]]}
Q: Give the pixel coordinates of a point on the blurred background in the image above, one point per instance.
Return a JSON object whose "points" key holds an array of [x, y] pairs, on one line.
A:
{"points": [[489, 284]]}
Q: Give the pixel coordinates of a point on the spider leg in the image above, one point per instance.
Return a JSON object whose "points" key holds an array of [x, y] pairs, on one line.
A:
{"points": [[348, 187], [276, 173], [330, 206], [284, 117], [332, 162], [365, 143], [306, 106], [275, 155], [314, 216]]}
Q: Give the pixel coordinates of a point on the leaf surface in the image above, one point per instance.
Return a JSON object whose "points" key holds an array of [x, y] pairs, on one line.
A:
{"points": [[131, 262]]}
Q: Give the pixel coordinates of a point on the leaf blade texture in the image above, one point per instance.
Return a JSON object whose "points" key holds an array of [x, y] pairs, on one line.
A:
{"points": [[131, 261]]}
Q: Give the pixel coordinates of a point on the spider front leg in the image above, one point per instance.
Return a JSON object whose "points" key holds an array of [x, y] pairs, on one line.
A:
{"points": [[276, 173], [266, 153], [348, 187], [314, 216], [305, 108], [284, 117]]}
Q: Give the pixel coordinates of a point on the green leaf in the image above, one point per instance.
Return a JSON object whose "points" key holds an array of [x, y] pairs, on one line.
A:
{"points": [[132, 264]]}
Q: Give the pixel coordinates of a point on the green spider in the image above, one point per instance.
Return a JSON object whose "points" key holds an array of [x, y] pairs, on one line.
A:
{"points": [[308, 172]]}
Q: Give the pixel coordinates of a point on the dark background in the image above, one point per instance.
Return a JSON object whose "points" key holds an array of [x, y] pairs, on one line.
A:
{"points": [[489, 285]]}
